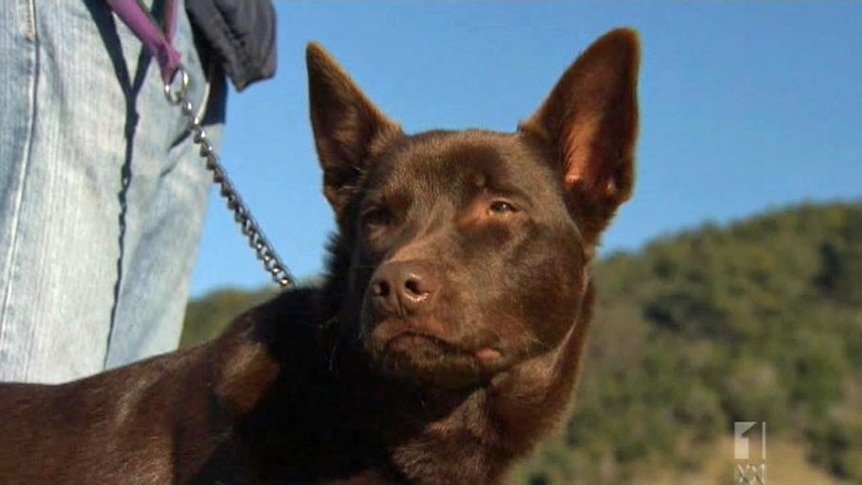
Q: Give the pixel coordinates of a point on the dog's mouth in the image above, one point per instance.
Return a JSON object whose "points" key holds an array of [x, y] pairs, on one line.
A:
{"points": [[432, 360]]}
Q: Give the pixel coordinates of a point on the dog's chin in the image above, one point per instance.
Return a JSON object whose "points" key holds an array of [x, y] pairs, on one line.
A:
{"points": [[427, 360]]}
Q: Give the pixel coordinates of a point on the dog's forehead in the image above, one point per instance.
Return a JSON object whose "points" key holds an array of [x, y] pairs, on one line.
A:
{"points": [[465, 159]]}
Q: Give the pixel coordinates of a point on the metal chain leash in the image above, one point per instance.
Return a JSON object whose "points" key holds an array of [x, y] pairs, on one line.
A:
{"points": [[272, 264]]}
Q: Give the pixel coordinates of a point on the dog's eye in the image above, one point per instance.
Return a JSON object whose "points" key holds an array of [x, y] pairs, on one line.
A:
{"points": [[501, 208], [376, 216]]}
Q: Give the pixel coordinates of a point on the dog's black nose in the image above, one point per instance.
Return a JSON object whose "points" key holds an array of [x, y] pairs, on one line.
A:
{"points": [[403, 288]]}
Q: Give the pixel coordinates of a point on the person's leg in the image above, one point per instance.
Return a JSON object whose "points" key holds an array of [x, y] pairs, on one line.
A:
{"points": [[78, 135], [62, 148], [166, 203]]}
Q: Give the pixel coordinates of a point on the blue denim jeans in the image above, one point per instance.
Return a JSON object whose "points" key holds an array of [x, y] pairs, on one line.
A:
{"points": [[102, 195]]}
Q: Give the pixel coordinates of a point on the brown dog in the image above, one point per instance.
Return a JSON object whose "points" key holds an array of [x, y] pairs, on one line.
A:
{"points": [[444, 344]]}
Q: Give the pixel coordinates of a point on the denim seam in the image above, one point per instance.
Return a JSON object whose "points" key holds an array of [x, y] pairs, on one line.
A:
{"points": [[30, 29]]}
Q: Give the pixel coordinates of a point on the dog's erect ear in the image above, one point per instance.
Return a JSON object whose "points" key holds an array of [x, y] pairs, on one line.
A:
{"points": [[590, 122], [347, 126]]}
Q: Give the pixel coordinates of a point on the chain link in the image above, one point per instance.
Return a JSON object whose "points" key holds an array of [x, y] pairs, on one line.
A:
{"points": [[179, 95]]}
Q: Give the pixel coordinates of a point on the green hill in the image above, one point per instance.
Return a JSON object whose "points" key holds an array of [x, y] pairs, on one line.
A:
{"points": [[757, 321], [208, 316]]}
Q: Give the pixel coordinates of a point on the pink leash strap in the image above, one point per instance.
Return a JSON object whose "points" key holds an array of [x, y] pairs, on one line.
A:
{"points": [[156, 39]]}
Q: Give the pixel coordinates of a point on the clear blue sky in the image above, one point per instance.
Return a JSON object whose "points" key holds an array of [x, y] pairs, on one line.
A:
{"points": [[746, 106]]}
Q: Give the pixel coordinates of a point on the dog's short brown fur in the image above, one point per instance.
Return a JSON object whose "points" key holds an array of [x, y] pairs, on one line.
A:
{"points": [[444, 344]]}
